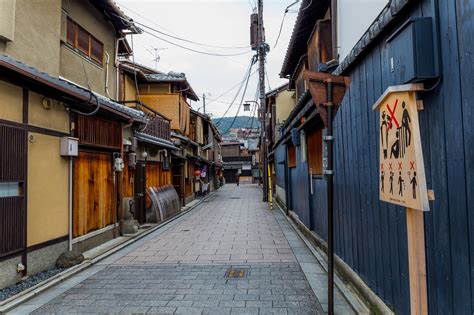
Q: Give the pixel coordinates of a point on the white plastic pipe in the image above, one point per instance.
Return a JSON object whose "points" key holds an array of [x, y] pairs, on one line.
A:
{"points": [[70, 203]]}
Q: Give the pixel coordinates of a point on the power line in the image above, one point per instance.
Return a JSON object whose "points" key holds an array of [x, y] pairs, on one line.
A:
{"points": [[246, 78], [181, 46], [283, 20], [197, 51], [241, 102], [187, 40], [230, 90], [175, 36]]}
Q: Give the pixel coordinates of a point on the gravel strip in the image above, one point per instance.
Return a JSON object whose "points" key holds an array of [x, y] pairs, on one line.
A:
{"points": [[28, 283]]}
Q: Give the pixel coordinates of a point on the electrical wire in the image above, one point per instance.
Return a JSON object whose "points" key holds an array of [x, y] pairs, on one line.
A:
{"points": [[268, 80], [197, 51], [229, 90], [281, 28], [310, 3], [246, 78], [241, 100], [287, 9], [176, 36]]}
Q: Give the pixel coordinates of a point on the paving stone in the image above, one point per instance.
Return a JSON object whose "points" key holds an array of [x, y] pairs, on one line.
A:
{"points": [[184, 272]]}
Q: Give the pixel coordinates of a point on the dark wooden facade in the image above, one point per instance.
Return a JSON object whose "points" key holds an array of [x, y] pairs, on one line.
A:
{"points": [[371, 236]]}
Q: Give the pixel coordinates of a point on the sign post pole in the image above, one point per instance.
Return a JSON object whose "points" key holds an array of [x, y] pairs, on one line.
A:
{"points": [[417, 262]]}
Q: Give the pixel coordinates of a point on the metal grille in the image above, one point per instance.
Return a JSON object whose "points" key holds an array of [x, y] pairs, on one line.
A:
{"points": [[233, 273]]}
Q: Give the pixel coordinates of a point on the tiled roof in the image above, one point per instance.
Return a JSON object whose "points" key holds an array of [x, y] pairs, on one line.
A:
{"points": [[67, 87]]}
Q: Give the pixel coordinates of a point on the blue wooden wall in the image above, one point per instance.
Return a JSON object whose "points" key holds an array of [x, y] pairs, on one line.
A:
{"points": [[370, 235]]}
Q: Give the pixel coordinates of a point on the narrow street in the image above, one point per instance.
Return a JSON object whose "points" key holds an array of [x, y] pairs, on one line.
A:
{"points": [[183, 267]]}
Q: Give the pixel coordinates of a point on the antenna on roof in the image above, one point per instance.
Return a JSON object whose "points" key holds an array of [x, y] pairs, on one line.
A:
{"points": [[154, 51]]}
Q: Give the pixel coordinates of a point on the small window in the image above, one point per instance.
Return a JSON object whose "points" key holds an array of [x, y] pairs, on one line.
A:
{"points": [[71, 32], [291, 155], [11, 189], [83, 40], [315, 152], [87, 44], [97, 50]]}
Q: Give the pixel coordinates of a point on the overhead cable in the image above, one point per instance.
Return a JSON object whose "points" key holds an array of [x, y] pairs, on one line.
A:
{"points": [[246, 78]]}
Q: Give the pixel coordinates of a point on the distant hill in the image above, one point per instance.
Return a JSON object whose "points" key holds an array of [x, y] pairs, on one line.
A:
{"points": [[240, 122]]}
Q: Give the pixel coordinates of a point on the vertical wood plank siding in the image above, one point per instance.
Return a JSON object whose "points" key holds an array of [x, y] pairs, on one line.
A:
{"points": [[371, 236], [94, 205], [92, 130]]}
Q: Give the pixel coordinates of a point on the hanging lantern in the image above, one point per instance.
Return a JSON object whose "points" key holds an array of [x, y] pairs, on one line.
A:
{"points": [[246, 107]]}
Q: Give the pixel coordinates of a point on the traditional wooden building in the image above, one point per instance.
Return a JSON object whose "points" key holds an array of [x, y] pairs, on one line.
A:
{"points": [[167, 94], [377, 46], [56, 94], [148, 160]]}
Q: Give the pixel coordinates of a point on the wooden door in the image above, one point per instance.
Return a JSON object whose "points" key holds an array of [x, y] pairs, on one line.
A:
{"points": [[177, 174], [12, 190], [94, 192], [140, 192]]}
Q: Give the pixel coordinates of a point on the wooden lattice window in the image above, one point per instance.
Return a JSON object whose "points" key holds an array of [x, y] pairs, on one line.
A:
{"points": [[85, 42]]}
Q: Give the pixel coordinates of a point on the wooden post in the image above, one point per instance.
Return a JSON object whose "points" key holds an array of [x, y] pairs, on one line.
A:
{"points": [[417, 262]]}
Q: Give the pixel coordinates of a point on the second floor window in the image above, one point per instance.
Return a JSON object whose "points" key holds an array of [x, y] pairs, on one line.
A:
{"points": [[84, 41]]}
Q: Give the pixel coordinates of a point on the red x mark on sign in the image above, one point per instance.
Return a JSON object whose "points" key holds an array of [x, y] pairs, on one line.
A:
{"points": [[412, 165], [392, 115], [400, 166]]}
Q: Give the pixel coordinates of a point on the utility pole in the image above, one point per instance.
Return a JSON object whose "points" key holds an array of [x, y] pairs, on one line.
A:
{"points": [[262, 51], [204, 103]]}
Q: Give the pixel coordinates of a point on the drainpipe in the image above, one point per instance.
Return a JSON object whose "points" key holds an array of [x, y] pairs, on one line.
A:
{"points": [[70, 202], [329, 139], [107, 58]]}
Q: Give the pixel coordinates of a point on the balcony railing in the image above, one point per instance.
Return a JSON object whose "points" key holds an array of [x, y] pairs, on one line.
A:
{"points": [[158, 127]]}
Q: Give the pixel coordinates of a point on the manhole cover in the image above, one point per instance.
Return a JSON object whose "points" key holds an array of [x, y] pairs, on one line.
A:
{"points": [[236, 273], [234, 198]]}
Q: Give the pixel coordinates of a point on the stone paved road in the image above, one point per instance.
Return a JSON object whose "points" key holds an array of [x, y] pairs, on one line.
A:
{"points": [[183, 270]]}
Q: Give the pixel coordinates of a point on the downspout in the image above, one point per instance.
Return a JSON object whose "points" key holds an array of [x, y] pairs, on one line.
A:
{"points": [[71, 183], [334, 29], [107, 62], [70, 203], [117, 69]]}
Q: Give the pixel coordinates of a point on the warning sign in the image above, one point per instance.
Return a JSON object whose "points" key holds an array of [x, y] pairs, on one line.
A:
{"points": [[401, 171]]}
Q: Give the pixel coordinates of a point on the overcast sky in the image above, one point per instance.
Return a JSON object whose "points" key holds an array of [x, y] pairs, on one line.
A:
{"points": [[212, 22]]}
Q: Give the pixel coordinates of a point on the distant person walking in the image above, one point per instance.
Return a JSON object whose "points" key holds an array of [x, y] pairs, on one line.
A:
{"points": [[237, 178]]}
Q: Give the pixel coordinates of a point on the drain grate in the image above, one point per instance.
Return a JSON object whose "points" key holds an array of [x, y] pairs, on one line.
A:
{"points": [[234, 198], [232, 273]]}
